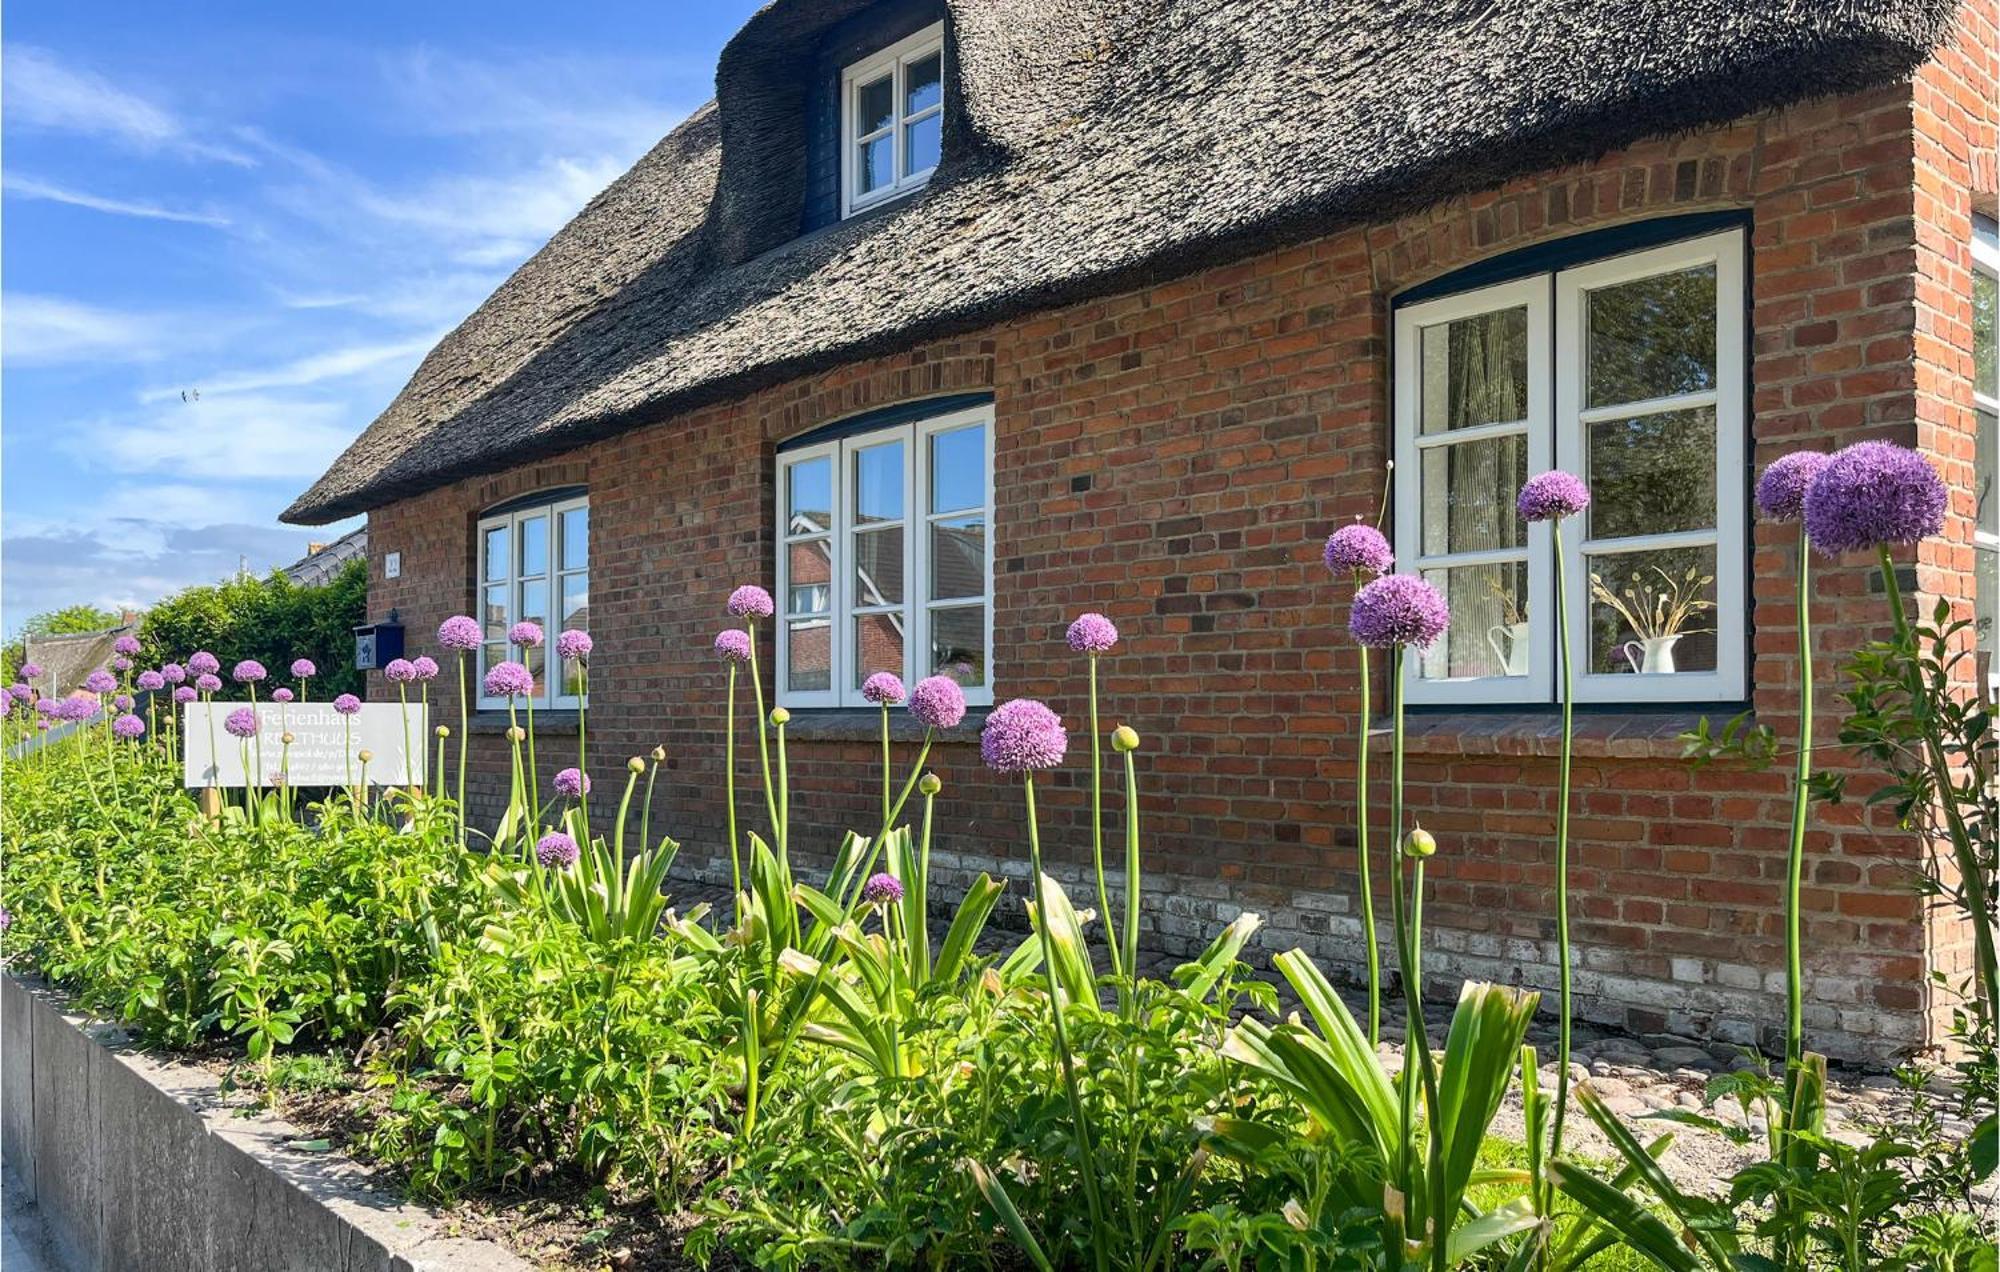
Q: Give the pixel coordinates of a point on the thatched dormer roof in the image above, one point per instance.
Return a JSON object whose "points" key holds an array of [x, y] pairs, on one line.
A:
{"points": [[1091, 145]]}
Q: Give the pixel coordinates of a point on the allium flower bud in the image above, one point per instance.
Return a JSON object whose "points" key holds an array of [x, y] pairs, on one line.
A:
{"points": [[515, 733], [287, 738], [659, 755], [443, 731], [1419, 844], [930, 784], [364, 755], [1124, 738], [779, 715], [636, 764]]}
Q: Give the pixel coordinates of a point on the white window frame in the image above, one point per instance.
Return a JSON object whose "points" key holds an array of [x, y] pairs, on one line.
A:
{"points": [[916, 606], [1986, 397], [1556, 432], [550, 695], [895, 62]]}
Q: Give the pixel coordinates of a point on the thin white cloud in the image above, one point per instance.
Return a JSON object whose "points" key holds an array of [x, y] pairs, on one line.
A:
{"points": [[31, 188], [551, 103], [42, 92], [335, 364], [49, 329], [245, 436], [494, 219]]}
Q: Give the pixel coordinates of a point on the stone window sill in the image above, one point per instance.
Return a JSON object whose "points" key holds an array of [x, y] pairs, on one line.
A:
{"points": [[864, 724], [1619, 735]]}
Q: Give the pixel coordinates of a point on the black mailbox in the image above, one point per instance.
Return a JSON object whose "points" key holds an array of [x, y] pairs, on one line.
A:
{"points": [[376, 645]]}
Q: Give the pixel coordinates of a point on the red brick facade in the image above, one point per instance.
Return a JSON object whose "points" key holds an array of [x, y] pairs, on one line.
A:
{"points": [[1174, 456]]}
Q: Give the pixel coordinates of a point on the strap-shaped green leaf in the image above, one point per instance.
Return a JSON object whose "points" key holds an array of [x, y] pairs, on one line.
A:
{"points": [[963, 935]]}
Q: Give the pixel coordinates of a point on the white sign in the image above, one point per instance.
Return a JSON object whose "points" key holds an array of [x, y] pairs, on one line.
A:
{"points": [[325, 748]]}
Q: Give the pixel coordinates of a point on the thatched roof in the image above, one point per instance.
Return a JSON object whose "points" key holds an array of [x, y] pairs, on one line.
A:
{"points": [[1090, 145]]}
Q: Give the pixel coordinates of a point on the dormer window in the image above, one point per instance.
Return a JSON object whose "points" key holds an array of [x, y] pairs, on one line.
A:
{"points": [[892, 120]]}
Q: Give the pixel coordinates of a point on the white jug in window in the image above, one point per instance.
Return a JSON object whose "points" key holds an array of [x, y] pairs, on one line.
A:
{"points": [[1510, 645], [1654, 656]]}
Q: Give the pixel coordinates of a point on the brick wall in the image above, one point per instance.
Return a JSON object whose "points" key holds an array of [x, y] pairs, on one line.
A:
{"points": [[1174, 456]]}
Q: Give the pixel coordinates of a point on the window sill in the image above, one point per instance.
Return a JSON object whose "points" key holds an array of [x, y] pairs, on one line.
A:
{"points": [[1618, 735], [864, 724], [560, 720]]}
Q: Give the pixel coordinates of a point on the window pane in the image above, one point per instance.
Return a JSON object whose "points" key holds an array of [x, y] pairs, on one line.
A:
{"points": [[1469, 490], [534, 545], [496, 553], [574, 679], [1985, 359], [1652, 613], [808, 576], [1652, 474], [809, 655], [576, 539], [958, 469], [1488, 635], [576, 602], [878, 645], [1652, 337], [1985, 468], [535, 604], [495, 618], [878, 483], [1985, 609], [874, 106], [878, 567], [492, 656], [958, 558], [921, 144], [811, 496], [875, 164], [923, 83], [535, 660], [1475, 371], [958, 644]]}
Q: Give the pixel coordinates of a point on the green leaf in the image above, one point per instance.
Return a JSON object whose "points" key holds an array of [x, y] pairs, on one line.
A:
{"points": [[1639, 1227], [1003, 1206], [1497, 1224], [1220, 955], [963, 936]]}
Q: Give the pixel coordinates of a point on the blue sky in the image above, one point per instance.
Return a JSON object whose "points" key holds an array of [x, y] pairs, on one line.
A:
{"points": [[280, 207]]}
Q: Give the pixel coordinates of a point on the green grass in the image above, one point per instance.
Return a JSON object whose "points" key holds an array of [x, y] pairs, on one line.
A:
{"points": [[1499, 1154]]}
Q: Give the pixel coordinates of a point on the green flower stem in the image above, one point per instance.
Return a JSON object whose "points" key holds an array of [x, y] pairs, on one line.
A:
{"points": [[763, 741], [214, 752], [514, 795], [440, 763], [1416, 1038], [1568, 675], [260, 735], [403, 699], [921, 951], [582, 744], [729, 789], [1097, 829], [1087, 1161], [464, 741], [856, 879], [784, 805], [1795, 859], [1361, 857], [646, 813], [1131, 881], [1971, 878], [424, 755], [885, 764]]}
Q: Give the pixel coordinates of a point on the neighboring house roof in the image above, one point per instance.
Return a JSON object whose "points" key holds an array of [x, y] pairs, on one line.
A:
{"points": [[1090, 146], [318, 566], [65, 660]]}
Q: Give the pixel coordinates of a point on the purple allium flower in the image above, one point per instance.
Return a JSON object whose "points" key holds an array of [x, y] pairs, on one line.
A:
{"points": [[556, 850], [1021, 736], [185, 693], [400, 671], [347, 704], [1874, 493], [1092, 634], [49, 707], [127, 645], [460, 631], [574, 645], [173, 673], [203, 663], [241, 723], [303, 668], [1781, 491], [573, 783], [425, 666], [281, 694], [1359, 549], [129, 726], [1552, 495], [509, 680], [122, 702], [938, 701], [208, 682], [882, 889], [884, 689], [732, 644], [525, 634], [751, 601], [21, 691], [121, 664], [151, 681], [100, 681], [78, 708], [31, 671], [6, 919], [248, 672], [1398, 609]]}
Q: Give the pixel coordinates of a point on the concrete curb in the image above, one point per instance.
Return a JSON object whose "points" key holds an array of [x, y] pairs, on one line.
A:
{"points": [[134, 1163]]}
